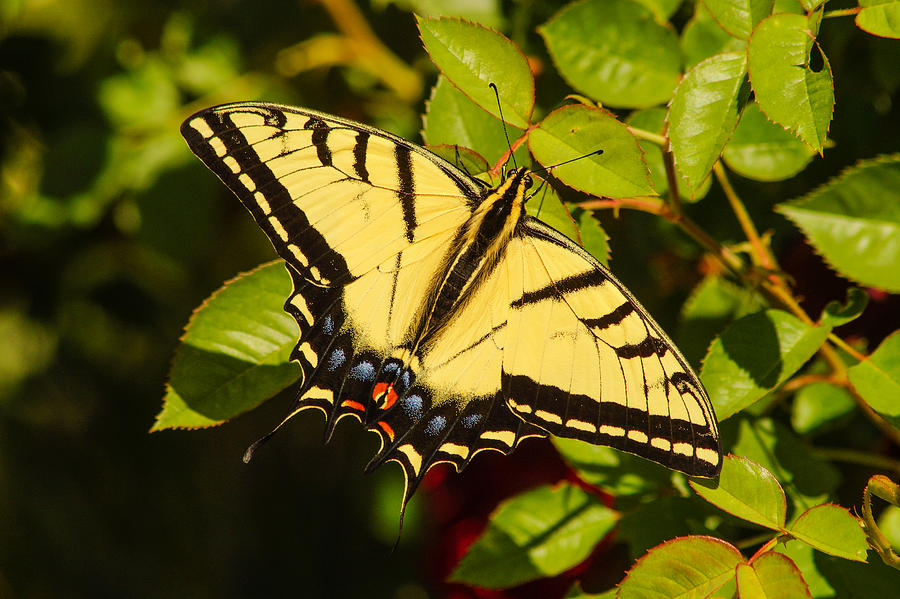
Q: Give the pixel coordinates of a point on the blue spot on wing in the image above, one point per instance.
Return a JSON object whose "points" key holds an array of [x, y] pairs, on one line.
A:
{"points": [[336, 359], [436, 425], [364, 371], [471, 420], [412, 405], [328, 325]]}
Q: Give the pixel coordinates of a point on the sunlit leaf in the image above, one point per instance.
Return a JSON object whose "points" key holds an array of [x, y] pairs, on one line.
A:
{"points": [[880, 17], [687, 567], [756, 354], [576, 131], [472, 57], [614, 51], [787, 88], [235, 352], [763, 150], [739, 17], [854, 222], [702, 37], [703, 114], [833, 530], [771, 576], [453, 119], [818, 405], [877, 379], [539, 533], [745, 490]]}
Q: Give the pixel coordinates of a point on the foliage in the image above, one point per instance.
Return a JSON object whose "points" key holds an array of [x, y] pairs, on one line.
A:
{"points": [[716, 120]]}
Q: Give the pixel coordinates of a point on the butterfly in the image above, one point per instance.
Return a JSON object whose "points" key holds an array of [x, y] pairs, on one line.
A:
{"points": [[434, 310]]}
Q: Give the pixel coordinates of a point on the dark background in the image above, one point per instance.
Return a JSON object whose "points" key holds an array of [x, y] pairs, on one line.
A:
{"points": [[111, 233]]}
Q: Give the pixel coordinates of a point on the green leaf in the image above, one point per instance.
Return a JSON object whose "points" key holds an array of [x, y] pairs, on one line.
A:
{"points": [[703, 114], [614, 51], [539, 533], [662, 9], [547, 206], [755, 355], [576, 592], [486, 12], [787, 89], [771, 576], [818, 405], [462, 157], [650, 523], [856, 215], [877, 379], [806, 479], [880, 17], [745, 490], [889, 524], [472, 57], [764, 151], [739, 17], [703, 37], [653, 120], [712, 306], [235, 352], [576, 131], [593, 237], [617, 472], [686, 567], [835, 314], [832, 530], [453, 119], [578, 225]]}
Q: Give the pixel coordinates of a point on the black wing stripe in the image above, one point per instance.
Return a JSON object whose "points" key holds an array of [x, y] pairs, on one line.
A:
{"points": [[407, 191], [359, 155], [613, 318], [569, 284]]}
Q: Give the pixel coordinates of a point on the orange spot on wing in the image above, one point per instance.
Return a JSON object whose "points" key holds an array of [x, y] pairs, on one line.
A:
{"points": [[385, 390], [355, 405], [387, 429]]}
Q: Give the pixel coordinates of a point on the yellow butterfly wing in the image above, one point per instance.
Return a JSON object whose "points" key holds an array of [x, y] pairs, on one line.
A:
{"points": [[585, 360]]}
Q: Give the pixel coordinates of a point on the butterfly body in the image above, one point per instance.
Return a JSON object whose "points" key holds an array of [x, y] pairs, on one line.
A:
{"points": [[435, 311]]}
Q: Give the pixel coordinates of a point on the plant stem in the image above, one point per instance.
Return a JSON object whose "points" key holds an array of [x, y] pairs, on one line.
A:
{"points": [[842, 12], [856, 457], [370, 53], [763, 537], [761, 254], [673, 198], [652, 137]]}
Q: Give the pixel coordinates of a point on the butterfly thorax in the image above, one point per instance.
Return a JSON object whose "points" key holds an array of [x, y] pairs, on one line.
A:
{"points": [[476, 251]]}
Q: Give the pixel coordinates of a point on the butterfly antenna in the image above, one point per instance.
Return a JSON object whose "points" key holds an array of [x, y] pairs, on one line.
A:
{"points": [[537, 191], [547, 169], [505, 131]]}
